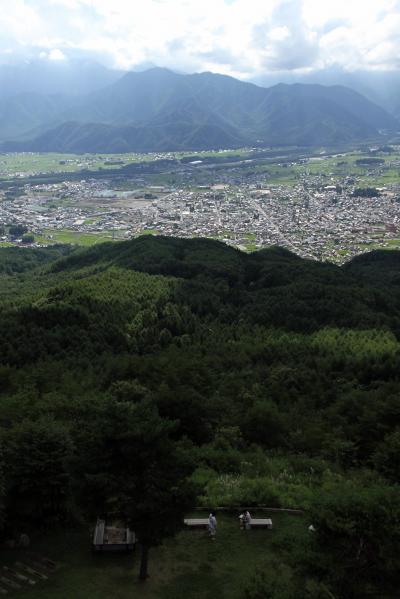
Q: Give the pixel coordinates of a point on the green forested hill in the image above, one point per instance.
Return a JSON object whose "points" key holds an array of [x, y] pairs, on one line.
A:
{"points": [[281, 375], [158, 110]]}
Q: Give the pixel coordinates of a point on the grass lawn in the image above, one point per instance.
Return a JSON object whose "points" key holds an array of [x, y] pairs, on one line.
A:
{"points": [[30, 163], [65, 236], [251, 247], [190, 566]]}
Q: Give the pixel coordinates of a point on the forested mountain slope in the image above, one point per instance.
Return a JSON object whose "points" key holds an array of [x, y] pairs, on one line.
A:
{"points": [[280, 374], [161, 110]]}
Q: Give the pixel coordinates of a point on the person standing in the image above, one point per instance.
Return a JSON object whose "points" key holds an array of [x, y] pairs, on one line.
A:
{"points": [[247, 520], [212, 525]]}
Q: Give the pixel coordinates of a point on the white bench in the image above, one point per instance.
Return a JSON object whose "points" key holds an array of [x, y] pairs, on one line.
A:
{"points": [[261, 523], [196, 523]]}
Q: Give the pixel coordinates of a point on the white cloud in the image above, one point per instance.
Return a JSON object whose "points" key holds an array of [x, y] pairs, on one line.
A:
{"points": [[56, 54], [278, 34], [239, 37]]}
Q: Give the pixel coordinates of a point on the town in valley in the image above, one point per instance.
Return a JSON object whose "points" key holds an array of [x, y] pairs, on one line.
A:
{"points": [[318, 204]]}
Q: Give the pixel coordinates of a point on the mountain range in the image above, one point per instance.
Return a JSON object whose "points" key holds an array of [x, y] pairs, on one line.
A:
{"points": [[379, 86], [159, 110]]}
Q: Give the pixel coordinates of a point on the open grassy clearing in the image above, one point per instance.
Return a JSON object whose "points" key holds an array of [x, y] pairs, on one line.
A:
{"points": [[388, 177], [84, 239], [346, 165], [339, 166], [75, 237], [189, 565], [29, 163], [330, 168]]}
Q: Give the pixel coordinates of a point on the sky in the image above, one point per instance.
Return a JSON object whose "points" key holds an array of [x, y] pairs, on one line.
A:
{"points": [[242, 38]]}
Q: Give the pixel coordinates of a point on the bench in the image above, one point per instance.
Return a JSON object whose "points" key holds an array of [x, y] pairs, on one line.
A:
{"points": [[261, 523], [201, 523]]}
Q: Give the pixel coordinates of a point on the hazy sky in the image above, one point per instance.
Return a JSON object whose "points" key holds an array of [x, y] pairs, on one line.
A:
{"points": [[245, 38]]}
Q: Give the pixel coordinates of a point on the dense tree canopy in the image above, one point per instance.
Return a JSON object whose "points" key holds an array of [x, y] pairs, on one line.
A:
{"points": [[130, 465], [127, 366]]}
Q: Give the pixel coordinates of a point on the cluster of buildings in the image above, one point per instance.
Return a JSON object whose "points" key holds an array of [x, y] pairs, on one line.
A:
{"points": [[313, 216], [326, 224]]}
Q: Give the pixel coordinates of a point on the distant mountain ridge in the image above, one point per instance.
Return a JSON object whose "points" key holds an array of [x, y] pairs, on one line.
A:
{"points": [[159, 110], [380, 86]]}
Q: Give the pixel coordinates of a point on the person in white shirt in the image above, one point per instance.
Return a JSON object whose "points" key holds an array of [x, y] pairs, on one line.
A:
{"points": [[247, 520], [212, 525]]}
